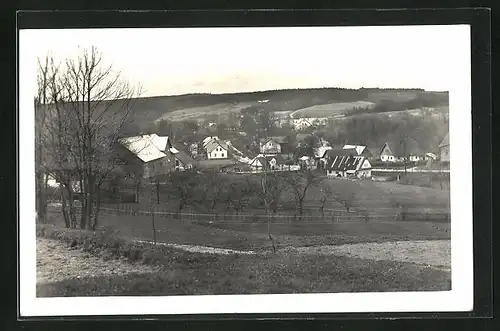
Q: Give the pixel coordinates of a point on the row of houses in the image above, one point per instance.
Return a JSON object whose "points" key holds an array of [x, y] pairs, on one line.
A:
{"points": [[153, 155]]}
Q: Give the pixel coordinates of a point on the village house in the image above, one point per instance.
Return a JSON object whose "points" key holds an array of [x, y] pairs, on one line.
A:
{"points": [[271, 145], [215, 148], [182, 161], [399, 152], [147, 155], [359, 149], [300, 124], [267, 162], [319, 121], [307, 162], [321, 155], [347, 163], [444, 149]]}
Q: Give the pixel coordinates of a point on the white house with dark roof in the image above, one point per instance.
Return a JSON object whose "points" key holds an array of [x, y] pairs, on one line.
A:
{"points": [[347, 163]]}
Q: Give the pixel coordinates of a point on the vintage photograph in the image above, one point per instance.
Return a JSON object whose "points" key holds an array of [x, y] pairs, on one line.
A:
{"points": [[209, 161]]}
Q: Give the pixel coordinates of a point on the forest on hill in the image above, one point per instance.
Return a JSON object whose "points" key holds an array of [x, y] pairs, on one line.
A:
{"points": [[150, 109]]}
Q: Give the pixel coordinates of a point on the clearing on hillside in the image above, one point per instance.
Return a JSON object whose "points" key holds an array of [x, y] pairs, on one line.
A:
{"points": [[330, 109], [198, 113]]}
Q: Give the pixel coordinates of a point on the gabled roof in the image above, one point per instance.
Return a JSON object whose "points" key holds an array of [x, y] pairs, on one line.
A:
{"points": [[302, 151], [399, 149], [207, 140], [345, 162], [213, 144], [182, 156], [446, 141], [145, 147], [321, 151], [332, 153], [358, 148], [161, 142], [265, 159]]}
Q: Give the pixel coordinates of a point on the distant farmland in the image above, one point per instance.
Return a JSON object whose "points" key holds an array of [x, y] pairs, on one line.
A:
{"points": [[331, 109], [200, 113]]}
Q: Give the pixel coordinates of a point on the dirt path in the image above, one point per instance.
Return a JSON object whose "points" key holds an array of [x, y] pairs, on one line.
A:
{"points": [[431, 253], [201, 249], [55, 261]]}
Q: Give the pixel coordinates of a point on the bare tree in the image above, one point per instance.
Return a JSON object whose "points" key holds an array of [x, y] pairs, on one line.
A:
{"points": [[45, 74], [183, 185], [346, 199], [269, 189], [299, 183], [326, 194], [214, 186], [90, 105], [238, 194]]}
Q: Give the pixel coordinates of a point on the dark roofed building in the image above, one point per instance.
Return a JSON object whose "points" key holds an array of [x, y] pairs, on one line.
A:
{"points": [[346, 165], [392, 152]]}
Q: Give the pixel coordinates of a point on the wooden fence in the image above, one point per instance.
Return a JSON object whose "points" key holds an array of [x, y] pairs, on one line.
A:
{"points": [[328, 216]]}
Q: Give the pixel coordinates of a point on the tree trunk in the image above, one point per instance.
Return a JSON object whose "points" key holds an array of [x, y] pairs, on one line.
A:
{"points": [[71, 198], [84, 202], [301, 209], [97, 209], [157, 191], [153, 225], [39, 197], [269, 220], [67, 221]]}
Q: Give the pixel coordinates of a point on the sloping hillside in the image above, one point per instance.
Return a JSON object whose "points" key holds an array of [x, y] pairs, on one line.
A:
{"points": [[197, 106], [331, 109]]}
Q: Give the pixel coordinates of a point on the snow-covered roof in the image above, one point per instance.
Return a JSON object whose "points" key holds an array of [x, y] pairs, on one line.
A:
{"points": [[320, 151], [359, 149], [207, 140], [159, 141], [211, 145], [144, 147]]}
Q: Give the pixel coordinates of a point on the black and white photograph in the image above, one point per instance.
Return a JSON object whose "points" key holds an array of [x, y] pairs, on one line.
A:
{"points": [[245, 170]]}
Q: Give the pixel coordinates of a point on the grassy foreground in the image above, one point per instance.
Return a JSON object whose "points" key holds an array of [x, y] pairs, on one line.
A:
{"points": [[184, 273]]}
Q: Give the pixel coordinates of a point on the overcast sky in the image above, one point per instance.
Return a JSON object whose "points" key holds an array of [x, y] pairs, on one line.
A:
{"points": [[222, 60]]}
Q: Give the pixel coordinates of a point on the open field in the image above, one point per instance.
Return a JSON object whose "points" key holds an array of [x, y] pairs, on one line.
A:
{"points": [[331, 109], [367, 196], [180, 273], [252, 235], [399, 96], [248, 232], [220, 255], [200, 113]]}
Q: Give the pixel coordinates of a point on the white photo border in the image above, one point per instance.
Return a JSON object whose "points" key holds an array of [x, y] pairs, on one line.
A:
{"points": [[458, 299]]}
